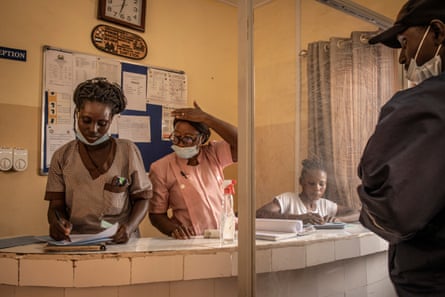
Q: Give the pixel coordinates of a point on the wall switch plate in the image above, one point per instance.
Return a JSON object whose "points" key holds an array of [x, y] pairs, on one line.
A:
{"points": [[20, 159], [5, 158]]}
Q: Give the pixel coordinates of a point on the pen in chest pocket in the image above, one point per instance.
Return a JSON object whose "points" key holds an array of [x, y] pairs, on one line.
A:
{"points": [[119, 181]]}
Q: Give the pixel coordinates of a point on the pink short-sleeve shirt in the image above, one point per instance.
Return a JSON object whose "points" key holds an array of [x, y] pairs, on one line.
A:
{"points": [[193, 193]]}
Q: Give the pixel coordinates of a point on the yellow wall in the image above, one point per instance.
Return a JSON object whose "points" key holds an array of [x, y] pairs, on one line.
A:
{"points": [[279, 101], [197, 36]]}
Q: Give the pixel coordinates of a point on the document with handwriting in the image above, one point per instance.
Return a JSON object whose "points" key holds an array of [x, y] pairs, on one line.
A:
{"points": [[86, 239]]}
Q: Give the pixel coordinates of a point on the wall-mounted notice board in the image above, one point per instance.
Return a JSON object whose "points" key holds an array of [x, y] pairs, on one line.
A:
{"points": [[152, 92]]}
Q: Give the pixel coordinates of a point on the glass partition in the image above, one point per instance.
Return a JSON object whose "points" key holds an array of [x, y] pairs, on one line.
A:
{"points": [[318, 89]]}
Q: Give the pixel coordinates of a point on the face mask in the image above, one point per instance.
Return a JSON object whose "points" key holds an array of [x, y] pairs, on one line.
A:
{"points": [[417, 74], [185, 152], [104, 138], [82, 139]]}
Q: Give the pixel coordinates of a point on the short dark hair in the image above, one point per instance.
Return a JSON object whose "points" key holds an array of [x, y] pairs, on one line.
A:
{"points": [[99, 89], [202, 128]]}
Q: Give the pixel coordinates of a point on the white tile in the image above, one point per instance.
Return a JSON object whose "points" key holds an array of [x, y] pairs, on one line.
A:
{"points": [[383, 288], [270, 284], [38, 292], [92, 292], [226, 287], [370, 244], [357, 292], [207, 265], [263, 261], [347, 248], [290, 283], [377, 267], [9, 274], [49, 273], [102, 272], [194, 288], [355, 274], [319, 253], [235, 263], [331, 279], [157, 269], [7, 291], [384, 245], [145, 290], [287, 258]]}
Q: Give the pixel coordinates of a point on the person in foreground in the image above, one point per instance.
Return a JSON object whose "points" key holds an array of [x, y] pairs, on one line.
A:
{"points": [[402, 166], [308, 206], [96, 179], [189, 181]]}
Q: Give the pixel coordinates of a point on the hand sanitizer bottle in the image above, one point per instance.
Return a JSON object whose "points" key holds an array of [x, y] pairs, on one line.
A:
{"points": [[227, 227]]}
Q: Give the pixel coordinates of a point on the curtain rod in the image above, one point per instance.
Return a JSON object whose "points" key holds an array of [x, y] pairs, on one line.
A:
{"points": [[359, 11]]}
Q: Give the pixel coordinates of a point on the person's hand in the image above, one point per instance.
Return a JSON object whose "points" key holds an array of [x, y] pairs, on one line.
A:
{"points": [[311, 218], [190, 114], [182, 232], [60, 229], [329, 219], [122, 235]]}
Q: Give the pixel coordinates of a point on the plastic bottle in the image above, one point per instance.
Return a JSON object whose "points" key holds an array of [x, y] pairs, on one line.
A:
{"points": [[227, 227]]}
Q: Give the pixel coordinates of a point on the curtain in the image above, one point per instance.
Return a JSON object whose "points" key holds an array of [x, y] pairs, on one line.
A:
{"points": [[348, 82]]}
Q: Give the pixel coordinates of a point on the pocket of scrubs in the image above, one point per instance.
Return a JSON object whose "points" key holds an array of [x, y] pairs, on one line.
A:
{"points": [[114, 198]]}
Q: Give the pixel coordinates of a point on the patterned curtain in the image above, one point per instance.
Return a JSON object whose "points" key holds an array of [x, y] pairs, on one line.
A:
{"points": [[348, 82]]}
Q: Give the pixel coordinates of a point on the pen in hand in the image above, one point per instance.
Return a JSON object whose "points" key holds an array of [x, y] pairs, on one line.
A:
{"points": [[66, 225]]}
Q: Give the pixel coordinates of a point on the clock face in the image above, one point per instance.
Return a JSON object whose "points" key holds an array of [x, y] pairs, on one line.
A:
{"points": [[128, 13], [126, 10]]}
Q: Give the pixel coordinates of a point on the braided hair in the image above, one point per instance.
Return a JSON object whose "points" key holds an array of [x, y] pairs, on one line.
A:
{"points": [[99, 89], [311, 164]]}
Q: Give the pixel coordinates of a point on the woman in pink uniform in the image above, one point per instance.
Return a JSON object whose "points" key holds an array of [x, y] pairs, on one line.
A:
{"points": [[189, 181]]}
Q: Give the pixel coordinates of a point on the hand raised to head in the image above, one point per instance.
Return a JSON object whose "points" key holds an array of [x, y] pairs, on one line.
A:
{"points": [[195, 114]]}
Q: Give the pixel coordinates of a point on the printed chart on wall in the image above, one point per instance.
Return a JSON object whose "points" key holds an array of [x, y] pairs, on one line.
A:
{"points": [[152, 93]]}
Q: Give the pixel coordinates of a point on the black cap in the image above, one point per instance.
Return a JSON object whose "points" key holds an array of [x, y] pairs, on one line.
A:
{"points": [[413, 13]]}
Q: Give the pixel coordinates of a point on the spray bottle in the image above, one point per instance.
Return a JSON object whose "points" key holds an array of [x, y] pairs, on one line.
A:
{"points": [[227, 227]]}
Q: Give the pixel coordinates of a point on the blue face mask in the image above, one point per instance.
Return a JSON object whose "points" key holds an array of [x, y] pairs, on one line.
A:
{"points": [[185, 152]]}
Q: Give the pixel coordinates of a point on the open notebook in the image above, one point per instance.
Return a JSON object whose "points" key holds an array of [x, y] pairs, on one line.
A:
{"points": [[277, 229], [87, 239]]}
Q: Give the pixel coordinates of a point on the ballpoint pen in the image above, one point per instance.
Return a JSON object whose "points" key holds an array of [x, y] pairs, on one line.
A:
{"points": [[59, 218]]}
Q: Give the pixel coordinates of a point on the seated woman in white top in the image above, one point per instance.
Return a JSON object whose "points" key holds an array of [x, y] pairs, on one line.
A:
{"points": [[308, 206]]}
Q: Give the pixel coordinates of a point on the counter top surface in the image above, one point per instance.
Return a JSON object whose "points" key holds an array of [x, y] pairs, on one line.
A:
{"points": [[179, 260], [169, 245]]}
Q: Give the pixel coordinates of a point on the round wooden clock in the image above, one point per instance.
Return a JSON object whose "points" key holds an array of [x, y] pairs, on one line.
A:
{"points": [[127, 13]]}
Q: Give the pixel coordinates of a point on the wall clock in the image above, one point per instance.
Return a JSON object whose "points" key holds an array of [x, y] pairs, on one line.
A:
{"points": [[127, 13]]}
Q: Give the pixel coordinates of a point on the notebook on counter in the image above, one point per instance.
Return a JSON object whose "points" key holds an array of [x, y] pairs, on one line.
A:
{"points": [[274, 236], [277, 229], [87, 239]]}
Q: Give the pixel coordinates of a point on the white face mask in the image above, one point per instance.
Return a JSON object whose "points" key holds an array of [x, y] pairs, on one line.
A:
{"points": [[104, 138], [185, 152], [82, 139], [417, 74]]}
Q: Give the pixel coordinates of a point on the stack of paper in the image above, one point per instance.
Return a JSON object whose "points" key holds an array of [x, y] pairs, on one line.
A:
{"points": [[277, 229], [78, 240]]}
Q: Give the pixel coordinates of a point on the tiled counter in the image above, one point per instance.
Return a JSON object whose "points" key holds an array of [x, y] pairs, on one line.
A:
{"points": [[331, 263]]}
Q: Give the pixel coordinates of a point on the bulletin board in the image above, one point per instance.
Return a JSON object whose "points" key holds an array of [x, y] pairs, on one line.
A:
{"points": [[152, 92]]}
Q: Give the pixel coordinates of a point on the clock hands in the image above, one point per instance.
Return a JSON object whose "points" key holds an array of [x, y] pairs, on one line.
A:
{"points": [[122, 7]]}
